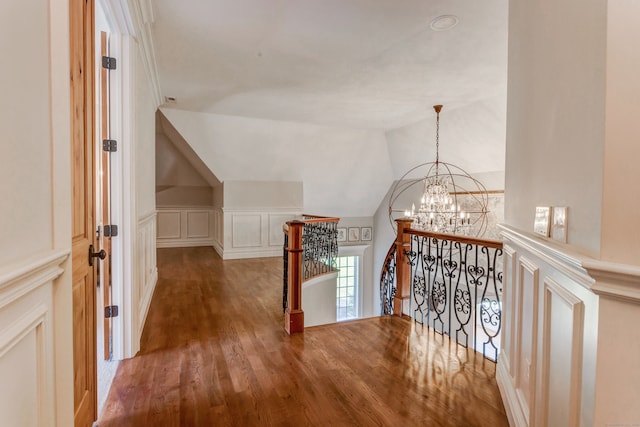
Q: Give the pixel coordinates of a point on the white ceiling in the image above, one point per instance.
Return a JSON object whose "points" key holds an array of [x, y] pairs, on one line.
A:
{"points": [[372, 64]]}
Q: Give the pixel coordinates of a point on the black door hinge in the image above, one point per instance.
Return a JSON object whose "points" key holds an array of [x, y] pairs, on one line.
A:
{"points": [[109, 63], [110, 230], [110, 145], [111, 311]]}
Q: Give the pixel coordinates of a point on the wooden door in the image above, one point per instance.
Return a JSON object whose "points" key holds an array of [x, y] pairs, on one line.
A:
{"points": [[83, 219], [105, 185]]}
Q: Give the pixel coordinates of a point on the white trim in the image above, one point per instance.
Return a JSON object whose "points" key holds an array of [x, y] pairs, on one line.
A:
{"points": [[572, 302], [145, 301], [556, 254], [357, 250], [296, 211], [509, 296], [123, 342], [609, 279], [22, 277], [131, 18], [525, 264], [250, 253], [147, 216], [190, 243], [515, 415], [618, 281], [35, 320]]}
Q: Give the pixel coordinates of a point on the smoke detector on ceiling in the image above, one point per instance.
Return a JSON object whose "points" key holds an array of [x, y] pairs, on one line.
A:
{"points": [[444, 22]]}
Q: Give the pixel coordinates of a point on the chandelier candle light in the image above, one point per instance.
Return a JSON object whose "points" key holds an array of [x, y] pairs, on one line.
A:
{"points": [[440, 209]]}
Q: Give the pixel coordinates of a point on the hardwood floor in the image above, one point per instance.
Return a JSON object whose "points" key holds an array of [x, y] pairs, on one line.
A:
{"points": [[214, 353]]}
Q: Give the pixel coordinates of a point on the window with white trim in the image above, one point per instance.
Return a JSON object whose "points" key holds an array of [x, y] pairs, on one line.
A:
{"points": [[347, 288]]}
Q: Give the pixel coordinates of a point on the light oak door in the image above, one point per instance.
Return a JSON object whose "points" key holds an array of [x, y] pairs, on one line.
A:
{"points": [[81, 26], [104, 178]]}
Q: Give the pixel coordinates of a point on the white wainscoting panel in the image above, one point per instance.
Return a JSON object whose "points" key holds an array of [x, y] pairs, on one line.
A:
{"points": [[546, 366], [187, 226], [276, 221], [526, 335], [252, 233], [561, 355], [246, 230], [169, 224], [509, 298], [147, 267], [218, 231], [198, 225], [27, 393]]}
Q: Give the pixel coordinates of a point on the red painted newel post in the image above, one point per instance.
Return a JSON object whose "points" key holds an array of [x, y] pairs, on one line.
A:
{"points": [[293, 315], [403, 272]]}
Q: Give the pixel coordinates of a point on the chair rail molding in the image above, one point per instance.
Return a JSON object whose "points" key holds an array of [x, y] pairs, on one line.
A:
{"points": [[19, 278], [619, 281], [27, 331]]}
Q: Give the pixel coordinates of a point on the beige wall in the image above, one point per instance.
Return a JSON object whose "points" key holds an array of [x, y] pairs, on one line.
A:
{"points": [[25, 120], [178, 183], [621, 198], [556, 113], [262, 194], [245, 149]]}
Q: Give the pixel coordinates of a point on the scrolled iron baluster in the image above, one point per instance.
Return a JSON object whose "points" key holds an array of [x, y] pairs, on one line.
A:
{"points": [[491, 309], [387, 285], [462, 295], [463, 277]]}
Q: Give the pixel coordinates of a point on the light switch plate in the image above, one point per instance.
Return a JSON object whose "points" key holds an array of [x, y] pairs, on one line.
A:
{"points": [[559, 224], [541, 221]]}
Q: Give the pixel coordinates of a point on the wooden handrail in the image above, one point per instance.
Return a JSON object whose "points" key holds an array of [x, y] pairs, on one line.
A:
{"points": [[310, 219], [490, 243]]}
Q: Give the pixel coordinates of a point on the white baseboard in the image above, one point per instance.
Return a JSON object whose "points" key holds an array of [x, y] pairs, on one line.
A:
{"points": [[254, 253], [145, 301], [515, 415], [180, 243]]}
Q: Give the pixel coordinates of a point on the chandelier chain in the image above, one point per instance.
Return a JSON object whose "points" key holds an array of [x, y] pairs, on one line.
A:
{"points": [[437, 137]]}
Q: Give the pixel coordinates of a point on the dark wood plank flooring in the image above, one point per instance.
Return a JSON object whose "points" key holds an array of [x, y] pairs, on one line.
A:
{"points": [[214, 353]]}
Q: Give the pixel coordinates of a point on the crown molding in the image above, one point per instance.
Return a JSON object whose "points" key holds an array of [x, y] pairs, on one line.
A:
{"points": [[134, 18]]}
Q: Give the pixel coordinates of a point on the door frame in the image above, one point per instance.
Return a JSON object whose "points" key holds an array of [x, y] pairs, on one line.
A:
{"points": [[121, 112]]}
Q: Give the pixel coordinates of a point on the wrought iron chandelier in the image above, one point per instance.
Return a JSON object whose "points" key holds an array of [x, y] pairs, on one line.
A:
{"points": [[452, 202]]}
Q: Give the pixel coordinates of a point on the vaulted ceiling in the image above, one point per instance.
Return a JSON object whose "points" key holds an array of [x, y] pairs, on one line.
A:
{"points": [[374, 64], [337, 94]]}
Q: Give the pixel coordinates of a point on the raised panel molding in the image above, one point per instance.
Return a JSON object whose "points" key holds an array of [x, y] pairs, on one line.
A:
{"points": [[527, 323], [187, 226], [26, 338], [198, 224], [246, 230], [147, 268], [253, 233], [509, 297], [553, 285], [169, 224], [563, 326], [276, 234]]}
